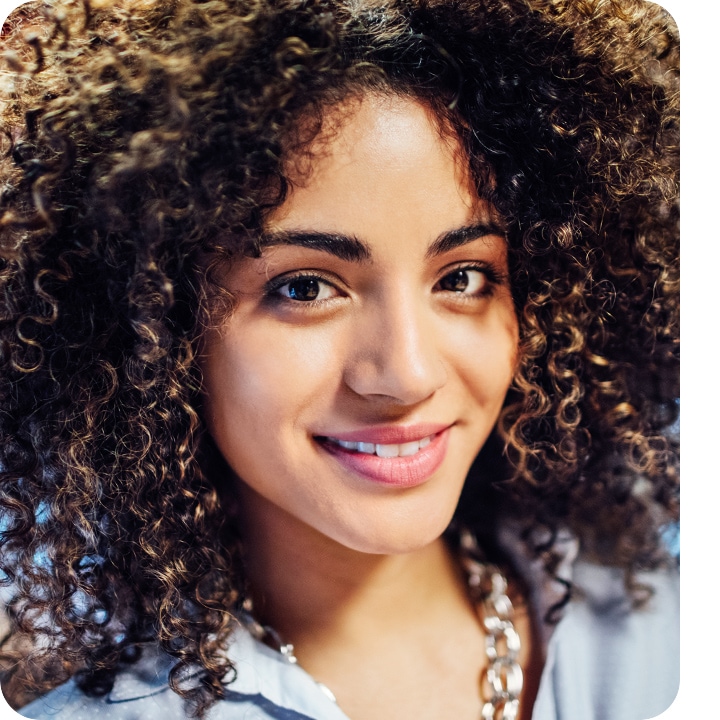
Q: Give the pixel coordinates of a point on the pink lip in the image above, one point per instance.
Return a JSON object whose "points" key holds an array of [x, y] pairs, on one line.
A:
{"points": [[392, 434], [399, 472]]}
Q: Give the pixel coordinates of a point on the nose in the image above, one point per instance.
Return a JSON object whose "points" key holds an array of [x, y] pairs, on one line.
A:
{"points": [[396, 353]]}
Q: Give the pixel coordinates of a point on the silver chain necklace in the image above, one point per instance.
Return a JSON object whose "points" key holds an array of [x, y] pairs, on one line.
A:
{"points": [[502, 681]]}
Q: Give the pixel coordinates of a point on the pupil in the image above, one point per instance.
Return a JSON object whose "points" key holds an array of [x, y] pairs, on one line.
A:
{"points": [[457, 281], [304, 289]]}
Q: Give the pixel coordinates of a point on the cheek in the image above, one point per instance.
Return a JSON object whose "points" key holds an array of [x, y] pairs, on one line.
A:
{"points": [[486, 357], [262, 376]]}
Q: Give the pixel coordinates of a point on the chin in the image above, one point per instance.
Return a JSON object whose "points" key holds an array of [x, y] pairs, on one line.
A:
{"points": [[397, 536]]}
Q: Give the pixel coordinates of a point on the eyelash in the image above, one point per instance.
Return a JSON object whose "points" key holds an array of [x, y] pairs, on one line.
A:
{"points": [[492, 277], [272, 289]]}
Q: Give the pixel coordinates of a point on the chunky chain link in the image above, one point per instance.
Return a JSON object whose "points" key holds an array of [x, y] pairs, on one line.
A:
{"points": [[503, 680]]}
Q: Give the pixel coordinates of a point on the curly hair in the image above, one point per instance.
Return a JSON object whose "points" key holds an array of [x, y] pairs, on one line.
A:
{"points": [[143, 144]]}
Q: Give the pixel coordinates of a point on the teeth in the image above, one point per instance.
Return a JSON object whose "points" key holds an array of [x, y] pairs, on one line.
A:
{"points": [[409, 448], [385, 451]]}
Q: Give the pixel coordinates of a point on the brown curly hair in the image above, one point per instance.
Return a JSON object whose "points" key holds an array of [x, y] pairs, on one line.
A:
{"points": [[142, 145]]}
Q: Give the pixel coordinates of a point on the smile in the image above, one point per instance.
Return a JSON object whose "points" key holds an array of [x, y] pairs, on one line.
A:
{"points": [[384, 451], [411, 460]]}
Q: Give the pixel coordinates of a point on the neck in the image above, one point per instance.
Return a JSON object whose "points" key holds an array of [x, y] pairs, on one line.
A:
{"points": [[355, 619]]}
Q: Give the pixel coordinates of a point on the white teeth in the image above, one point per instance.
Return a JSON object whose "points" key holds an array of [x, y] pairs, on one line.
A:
{"points": [[409, 448], [385, 451]]}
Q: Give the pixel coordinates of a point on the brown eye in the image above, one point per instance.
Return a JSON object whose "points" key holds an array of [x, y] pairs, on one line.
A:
{"points": [[304, 289], [466, 281]]}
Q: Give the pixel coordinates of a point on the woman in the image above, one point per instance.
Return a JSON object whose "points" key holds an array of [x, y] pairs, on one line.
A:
{"points": [[313, 310]]}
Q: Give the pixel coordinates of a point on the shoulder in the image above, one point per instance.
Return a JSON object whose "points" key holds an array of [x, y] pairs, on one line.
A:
{"points": [[608, 660], [141, 691], [266, 687]]}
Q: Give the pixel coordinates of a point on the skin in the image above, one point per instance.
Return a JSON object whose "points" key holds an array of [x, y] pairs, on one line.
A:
{"points": [[390, 340]]}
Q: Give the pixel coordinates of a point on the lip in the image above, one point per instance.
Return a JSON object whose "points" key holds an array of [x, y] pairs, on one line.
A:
{"points": [[397, 472], [391, 434]]}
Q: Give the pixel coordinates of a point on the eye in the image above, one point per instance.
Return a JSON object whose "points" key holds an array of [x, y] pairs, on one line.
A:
{"points": [[304, 289], [465, 281]]}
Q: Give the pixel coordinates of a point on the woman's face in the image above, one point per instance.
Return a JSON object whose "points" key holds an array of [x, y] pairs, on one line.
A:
{"points": [[372, 342]]}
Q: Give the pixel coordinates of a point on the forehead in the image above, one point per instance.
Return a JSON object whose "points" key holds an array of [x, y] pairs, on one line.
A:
{"points": [[379, 153]]}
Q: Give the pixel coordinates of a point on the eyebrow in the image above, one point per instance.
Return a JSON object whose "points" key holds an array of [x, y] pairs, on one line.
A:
{"points": [[352, 249], [346, 247], [462, 236]]}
